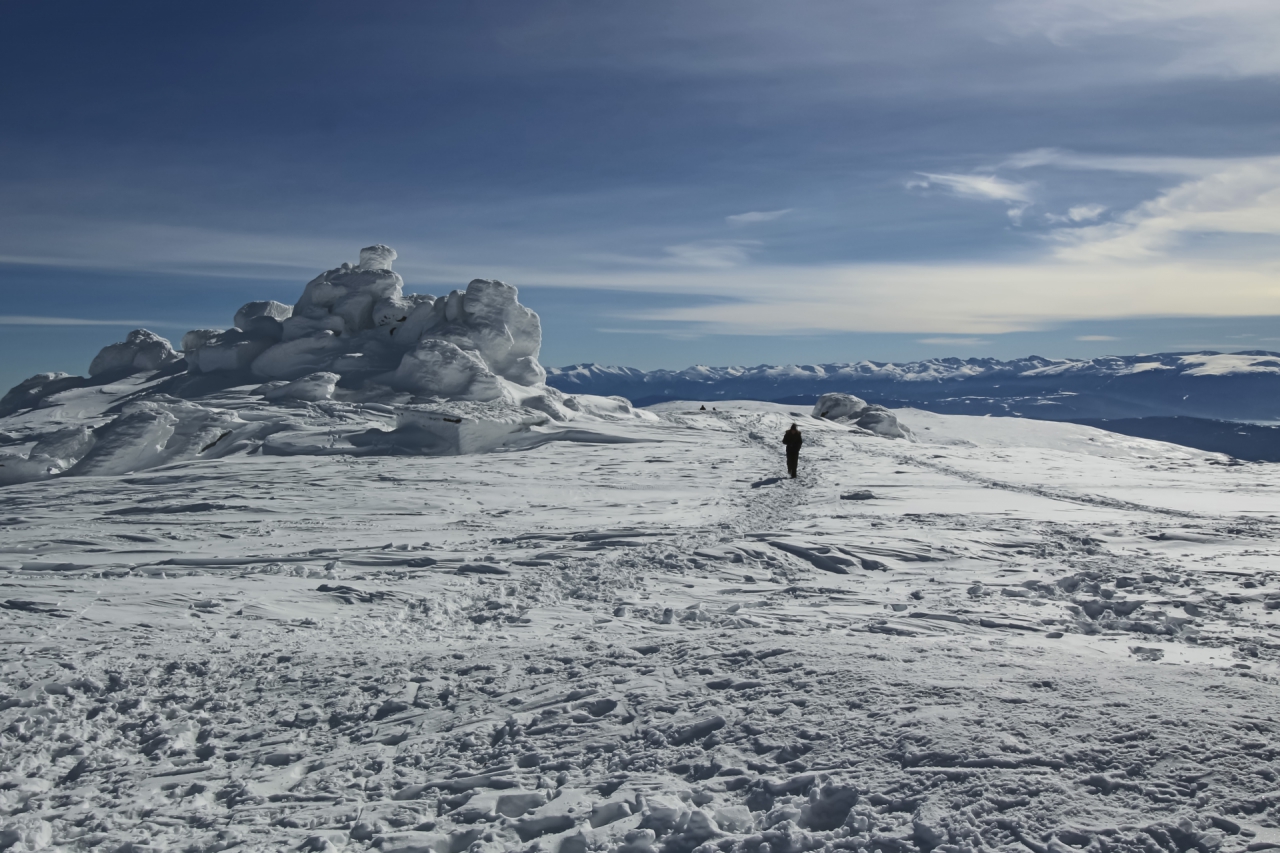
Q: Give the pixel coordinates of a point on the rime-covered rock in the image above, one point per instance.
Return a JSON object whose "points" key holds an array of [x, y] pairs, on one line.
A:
{"points": [[311, 388], [141, 351], [440, 368], [839, 406], [849, 409], [357, 322]]}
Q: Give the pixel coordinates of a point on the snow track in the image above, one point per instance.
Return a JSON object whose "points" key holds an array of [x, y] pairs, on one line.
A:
{"points": [[659, 646]]}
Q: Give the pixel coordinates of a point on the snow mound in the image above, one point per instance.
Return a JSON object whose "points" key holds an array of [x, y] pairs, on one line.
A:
{"points": [[855, 411], [356, 366]]}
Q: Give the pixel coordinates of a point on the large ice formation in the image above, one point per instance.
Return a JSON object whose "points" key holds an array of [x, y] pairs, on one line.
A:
{"points": [[356, 322], [354, 366]]}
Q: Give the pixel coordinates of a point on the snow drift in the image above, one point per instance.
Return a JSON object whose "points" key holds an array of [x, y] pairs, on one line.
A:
{"points": [[356, 365]]}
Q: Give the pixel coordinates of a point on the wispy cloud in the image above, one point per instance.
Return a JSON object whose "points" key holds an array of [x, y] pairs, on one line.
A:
{"points": [[711, 253], [674, 334], [24, 320], [1233, 197], [977, 186], [1096, 338], [1079, 213], [955, 342], [1018, 196], [949, 300], [754, 216], [1219, 38]]}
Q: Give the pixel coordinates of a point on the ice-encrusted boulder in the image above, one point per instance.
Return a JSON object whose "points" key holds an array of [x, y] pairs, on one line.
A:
{"points": [[859, 413], [356, 322], [839, 406], [263, 319], [441, 368], [210, 350], [31, 392], [310, 389], [141, 351], [884, 423]]}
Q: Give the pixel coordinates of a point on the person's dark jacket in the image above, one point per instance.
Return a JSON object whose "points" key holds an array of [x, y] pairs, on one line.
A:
{"points": [[792, 440]]}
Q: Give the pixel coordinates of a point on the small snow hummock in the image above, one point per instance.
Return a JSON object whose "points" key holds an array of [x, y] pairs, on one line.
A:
{"points": [[860, 414], [354, 349]]}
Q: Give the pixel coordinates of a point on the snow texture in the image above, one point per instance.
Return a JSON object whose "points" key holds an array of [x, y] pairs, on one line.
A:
{"points": [[355, 367], [1008, 635]]}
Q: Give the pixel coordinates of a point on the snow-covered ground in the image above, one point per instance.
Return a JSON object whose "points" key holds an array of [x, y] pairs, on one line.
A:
{"points": [[1007, 634]]}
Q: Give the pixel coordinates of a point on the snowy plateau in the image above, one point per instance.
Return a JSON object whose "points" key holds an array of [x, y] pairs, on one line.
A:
{"points": [[351, 576]]}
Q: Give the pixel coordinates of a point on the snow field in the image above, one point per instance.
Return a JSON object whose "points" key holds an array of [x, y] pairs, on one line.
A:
{"points": [[1008, 635]]}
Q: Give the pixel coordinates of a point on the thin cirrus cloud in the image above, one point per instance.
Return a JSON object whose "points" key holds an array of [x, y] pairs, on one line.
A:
{"points": [[710, 254], [1237, 196], [26, 320], [1222, 196], [1018, 196], [755, 216], [1079, 213], [939, 300], [1096, 338], [955, 342], [1204, 38]]}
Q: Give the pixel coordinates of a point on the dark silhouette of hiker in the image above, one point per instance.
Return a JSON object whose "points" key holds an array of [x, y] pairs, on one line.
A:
{"points": [[702, 408], [792, 440]]}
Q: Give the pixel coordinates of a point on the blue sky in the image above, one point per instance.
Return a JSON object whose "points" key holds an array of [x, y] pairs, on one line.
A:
{"points": [[667, 183]]}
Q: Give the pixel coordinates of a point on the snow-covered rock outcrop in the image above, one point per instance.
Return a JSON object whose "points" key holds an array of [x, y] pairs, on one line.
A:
{"points": [[857, 412], [356, 322], [140, 351], [356, 366]]}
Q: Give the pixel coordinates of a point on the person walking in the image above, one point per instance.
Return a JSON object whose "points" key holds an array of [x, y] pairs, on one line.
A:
{"points": [[791, 439]]}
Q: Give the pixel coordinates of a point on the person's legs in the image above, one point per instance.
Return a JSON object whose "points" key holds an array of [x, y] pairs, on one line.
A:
{"points": [[793, 460]]}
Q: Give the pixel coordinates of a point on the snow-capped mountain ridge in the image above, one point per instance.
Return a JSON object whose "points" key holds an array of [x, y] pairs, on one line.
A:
{"points": [[938, 369], [1230, 386]]}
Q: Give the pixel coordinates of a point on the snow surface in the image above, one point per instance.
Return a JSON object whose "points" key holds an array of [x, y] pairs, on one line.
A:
{"points": [[1006, 635]]}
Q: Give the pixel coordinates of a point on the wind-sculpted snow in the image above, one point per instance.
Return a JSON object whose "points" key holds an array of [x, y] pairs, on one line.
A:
{"points": [[354, 367], [1007, 635], [1238, 386]]}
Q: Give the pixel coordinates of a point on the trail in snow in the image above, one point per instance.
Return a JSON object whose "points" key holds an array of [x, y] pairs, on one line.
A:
{"points": [[651, 646]]}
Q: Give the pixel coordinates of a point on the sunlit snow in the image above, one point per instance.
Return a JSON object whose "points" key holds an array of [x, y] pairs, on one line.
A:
{"points": [[329, 607]]}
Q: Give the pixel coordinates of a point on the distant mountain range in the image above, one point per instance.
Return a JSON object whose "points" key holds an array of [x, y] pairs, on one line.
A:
{"points": [[1242, 386]]}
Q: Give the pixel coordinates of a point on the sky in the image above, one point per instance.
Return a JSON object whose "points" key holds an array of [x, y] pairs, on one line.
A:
{"points": [[668, 183]]}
